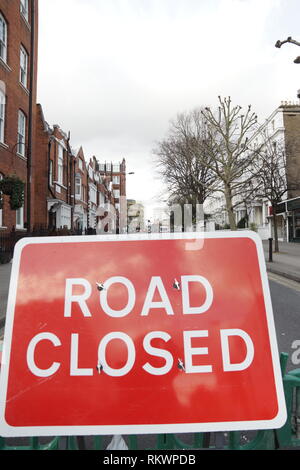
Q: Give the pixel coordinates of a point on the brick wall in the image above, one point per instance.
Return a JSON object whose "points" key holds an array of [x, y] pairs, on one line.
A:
{"points": [[291, 119], [17, 97], [42, 138]]}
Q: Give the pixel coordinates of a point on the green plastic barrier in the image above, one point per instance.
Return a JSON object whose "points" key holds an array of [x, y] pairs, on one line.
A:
{"points": [[33, 445], [287, 436]]}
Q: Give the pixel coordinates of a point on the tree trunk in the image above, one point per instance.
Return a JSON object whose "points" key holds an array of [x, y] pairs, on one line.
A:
{"points": [[229, 208], [276, 244]]}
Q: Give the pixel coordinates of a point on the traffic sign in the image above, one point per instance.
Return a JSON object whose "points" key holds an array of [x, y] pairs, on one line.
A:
{"points": [[140, 334]]}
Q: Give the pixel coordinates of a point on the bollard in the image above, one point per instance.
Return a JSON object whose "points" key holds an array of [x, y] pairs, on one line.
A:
{"points": [[270, 249]]}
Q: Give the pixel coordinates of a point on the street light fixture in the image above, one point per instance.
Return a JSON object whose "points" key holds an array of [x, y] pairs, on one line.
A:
{"points": [[289, 39]]}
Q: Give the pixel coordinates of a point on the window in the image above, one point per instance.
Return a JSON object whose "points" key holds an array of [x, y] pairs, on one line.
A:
{"points": [[51, 172], [23, 66], [3, 38], [93, 194], [108, 167], [80, 164], [20, 218], [60, 165], [101, 199], [2, 115], [65, 217], [116, 179], [116, 168], [24, 8], [21, 134], [78, 187], [116, 193]]}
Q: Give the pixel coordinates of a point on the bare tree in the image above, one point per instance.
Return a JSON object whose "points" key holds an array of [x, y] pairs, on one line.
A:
{"points": [[182, 160], [270, 168], [225, 147]]}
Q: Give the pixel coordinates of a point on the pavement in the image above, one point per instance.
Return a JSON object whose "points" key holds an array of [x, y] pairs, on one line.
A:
{"points": [[5, 270], [286, 262]]}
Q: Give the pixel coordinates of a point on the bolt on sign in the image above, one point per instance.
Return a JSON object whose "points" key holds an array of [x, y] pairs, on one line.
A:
{"points": [[140, 334]]}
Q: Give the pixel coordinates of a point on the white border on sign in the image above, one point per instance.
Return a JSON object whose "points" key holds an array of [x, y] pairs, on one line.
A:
{"points": [[198, 238]]}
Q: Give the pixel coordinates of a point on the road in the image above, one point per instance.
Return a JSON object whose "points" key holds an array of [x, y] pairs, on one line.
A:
{"points": [[285, 295]]}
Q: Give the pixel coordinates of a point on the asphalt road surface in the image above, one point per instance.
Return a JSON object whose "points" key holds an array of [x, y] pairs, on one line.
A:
{"points": [[285, 295]]}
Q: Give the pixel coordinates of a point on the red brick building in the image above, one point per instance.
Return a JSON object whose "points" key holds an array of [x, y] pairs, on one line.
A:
{"points": [[61, 189], [18, 79], [55, 176], [69, 189], [81, 192], [105, 184]]}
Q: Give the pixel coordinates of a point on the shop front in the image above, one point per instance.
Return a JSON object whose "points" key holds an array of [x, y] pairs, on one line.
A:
{"points": [[293, 211]]}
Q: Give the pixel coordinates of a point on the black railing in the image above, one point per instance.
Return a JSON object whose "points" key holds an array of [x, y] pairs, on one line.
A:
{"points": [[8, 240]]}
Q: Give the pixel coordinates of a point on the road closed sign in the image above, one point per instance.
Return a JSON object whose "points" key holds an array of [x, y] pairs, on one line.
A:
{"points": [[140, 334]]}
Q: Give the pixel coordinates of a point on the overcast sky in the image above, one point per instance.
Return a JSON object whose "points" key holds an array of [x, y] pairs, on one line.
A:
{"points": [[114, 72]]}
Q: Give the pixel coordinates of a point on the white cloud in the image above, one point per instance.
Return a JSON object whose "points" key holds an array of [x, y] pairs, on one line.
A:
{"points": [[115, 72]]}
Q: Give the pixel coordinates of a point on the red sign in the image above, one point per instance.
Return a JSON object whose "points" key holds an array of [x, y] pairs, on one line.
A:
{"points": [[140, 334]]}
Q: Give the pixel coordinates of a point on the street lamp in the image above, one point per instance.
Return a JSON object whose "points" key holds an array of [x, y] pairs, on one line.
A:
{"points": [[289, 39]]}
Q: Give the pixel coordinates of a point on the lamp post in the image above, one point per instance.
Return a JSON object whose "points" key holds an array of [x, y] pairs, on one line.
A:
{"points": [[292, 41]]}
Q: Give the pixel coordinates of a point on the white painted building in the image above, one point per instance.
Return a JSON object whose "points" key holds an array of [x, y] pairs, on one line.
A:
{"points": [[281, 128]]}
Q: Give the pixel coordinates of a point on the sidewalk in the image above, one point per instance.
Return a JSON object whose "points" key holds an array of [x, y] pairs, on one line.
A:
{"points": [[285, 263], [5, 270]]}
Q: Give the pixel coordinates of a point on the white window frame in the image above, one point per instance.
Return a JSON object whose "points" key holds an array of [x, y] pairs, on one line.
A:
{"points": [[20, 215], [92, 219], [93, 194], [65, 216], [24, 8], [80, 164], [23, 66], [116, 179], [91, 172], [116, 193], [51, 172], [2, 115], [101, 199], [21, 141], [78, 187], [116, 168], [60, 165], [3, 39]]}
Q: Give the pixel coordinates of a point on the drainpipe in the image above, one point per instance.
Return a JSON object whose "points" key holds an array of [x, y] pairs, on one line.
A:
{"points": [[30, 117], [49, 153], [48, 178]]}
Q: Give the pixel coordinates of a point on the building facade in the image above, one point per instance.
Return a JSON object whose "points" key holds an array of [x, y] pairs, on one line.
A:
{"points": [[61, 189], [18, 80], [69, 189], [281, 132], [55, 176]]}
